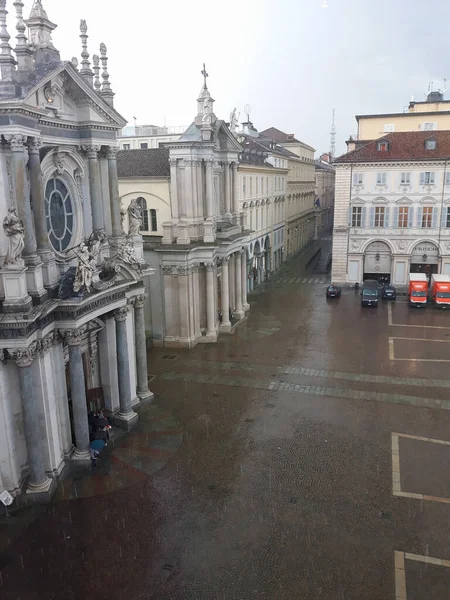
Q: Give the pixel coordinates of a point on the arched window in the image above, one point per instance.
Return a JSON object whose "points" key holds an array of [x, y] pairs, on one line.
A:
{"points": [[59, 214], [142, 202], [154, 219]]}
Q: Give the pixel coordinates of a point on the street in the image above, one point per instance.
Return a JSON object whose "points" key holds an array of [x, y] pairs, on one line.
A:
{"points": [[306, 456]]}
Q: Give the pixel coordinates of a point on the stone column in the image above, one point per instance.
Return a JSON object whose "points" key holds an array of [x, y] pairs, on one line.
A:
{"points": [[227, 176], [38, 482], [116, 224], [98, 221], [225, 294], [235, 192], [209, 189], [141, 349], [244, 276], [126, 417], [44, 249], [174, 189], [210, 304], [78, 394], [238, 279], [23, 203]]}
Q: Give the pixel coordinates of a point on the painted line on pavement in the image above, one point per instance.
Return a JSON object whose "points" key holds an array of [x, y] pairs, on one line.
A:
{"points": [[396, 478], [391, 324], [436, 360]]}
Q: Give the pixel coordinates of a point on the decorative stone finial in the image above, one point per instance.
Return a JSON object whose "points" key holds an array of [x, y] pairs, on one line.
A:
{"points": [[21, 27], [85, 72], [24, 52], [38, 10], [205, 106], [106, 91], [96, 62], [7, 62], [75, 62], [40, 30]]}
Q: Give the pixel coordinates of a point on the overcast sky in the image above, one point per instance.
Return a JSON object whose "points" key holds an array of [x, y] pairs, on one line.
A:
{"points": [[292, 61]]}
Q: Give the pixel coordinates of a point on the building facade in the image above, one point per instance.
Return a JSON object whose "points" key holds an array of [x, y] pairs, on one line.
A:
{"points": [[324, 191], [144, 137], [433, 114], [72, 334], [300, 214], [263, 170], [392, 211]]}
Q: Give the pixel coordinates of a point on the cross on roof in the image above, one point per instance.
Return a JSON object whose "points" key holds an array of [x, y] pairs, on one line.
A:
{"points": [[205, 74]]}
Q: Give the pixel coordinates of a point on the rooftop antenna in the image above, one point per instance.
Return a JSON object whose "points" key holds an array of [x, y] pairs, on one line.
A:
{"points": [[333, 136], [248, 110]]}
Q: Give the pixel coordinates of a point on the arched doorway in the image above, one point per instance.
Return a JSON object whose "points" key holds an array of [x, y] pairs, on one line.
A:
{"points": [[256, 264], [425, 258], [267, 258], [377, 262]]}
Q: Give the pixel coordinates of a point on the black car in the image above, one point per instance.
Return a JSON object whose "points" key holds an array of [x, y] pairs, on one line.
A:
{"points": [[389, 293], [333, 291]]}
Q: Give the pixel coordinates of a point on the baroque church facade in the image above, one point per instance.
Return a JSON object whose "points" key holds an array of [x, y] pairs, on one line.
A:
{"points": [[72, 333], [202, 259]]}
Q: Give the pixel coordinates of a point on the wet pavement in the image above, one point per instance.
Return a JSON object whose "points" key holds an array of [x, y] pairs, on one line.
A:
{"points": [[302, 457]]}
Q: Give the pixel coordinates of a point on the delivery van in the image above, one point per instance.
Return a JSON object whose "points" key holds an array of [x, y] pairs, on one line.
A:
{"points": [[440, 290], [418, 289]]}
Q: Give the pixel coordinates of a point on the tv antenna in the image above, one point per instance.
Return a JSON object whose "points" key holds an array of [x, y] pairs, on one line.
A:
{"points": [[248, 110]]}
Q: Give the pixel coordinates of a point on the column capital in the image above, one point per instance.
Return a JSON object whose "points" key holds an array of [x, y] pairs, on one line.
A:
{"points": [[173, 162], [91, 151], [184, 270], [44, 345], [226, 260], [167, 269], [121, 313], [17, 142], [139, 301], [24, 356], [73, 337], [34, 145], [111, 153], [209, 266]]}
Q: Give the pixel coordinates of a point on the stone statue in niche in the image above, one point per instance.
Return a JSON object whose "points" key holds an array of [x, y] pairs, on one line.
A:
{"points": [[15, 232], [134, 218], [85, 269]]}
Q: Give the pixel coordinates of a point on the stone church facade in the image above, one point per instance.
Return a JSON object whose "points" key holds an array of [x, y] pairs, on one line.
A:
{"points": [[202, 258], [72, 334]]}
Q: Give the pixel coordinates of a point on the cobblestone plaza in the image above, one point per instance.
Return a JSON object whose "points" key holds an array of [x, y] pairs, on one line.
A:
{"points": [[305, 456]]}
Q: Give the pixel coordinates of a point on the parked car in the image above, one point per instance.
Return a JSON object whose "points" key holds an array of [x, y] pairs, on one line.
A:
{"points": [[389, 293], [369, 293], [333, 291]]}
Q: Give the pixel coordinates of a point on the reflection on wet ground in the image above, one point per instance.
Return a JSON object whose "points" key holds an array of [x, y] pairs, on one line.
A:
{"points": [[282, 487]]}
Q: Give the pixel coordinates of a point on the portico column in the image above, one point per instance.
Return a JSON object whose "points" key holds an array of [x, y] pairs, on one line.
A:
{"points": [[38, 482], [174, 188], [98, 221], [78, 394], [126, 418], [23, 203], [244, 281], [141, 349], [116, 224], [238, 274], [210, 304], [225, 293], [209, 188]]}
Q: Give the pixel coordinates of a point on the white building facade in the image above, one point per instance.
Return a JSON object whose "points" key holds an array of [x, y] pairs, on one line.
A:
{"points": [[72, 335], [392, 209]]}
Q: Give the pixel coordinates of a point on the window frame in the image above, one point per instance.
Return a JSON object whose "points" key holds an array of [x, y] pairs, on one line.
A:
{"points": [[358, 178], [428, 177], [447, 221], [427, 217], [405, 178], [383, 146], [403, 217], [357, 216], [144, 210], [380, 216], [381, 178], [428, 142]]}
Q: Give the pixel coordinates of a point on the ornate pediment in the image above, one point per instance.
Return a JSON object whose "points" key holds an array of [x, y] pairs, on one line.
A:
{"points": [[403, 200], [428, 200], [380, 200]]}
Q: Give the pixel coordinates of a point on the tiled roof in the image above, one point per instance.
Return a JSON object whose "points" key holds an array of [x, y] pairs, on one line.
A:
{"points": [[278, 136], [319, 164], [407, 145], [143, 163]]}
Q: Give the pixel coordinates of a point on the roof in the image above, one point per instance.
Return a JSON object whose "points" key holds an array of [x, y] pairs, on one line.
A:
{"points": [[143, 163], [403, 145], [405, 114], [279, 136], [319, 164]]}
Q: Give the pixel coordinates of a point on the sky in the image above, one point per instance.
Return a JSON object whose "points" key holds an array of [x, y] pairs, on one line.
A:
{"points": [[292, 61]]}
